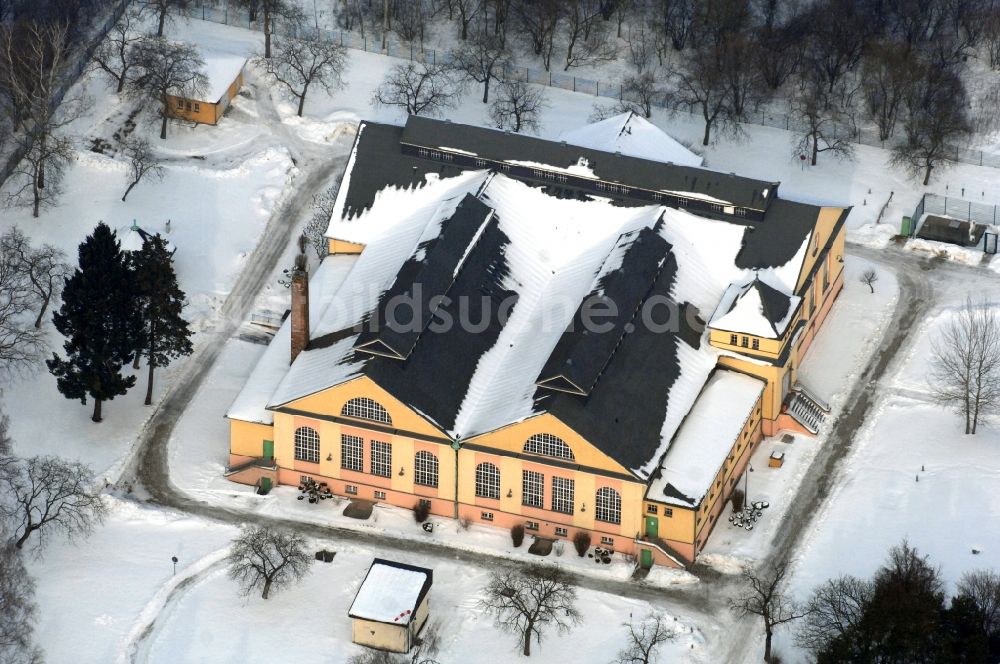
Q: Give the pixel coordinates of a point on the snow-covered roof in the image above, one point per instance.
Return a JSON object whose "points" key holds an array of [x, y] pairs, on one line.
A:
{"points": [[221, 69], [755, 307], [391, 592], [634, 136], [704, 440], [132, 236]]}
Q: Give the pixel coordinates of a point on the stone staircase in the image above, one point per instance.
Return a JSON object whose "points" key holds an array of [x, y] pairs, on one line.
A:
{"points": [[807, 409]]}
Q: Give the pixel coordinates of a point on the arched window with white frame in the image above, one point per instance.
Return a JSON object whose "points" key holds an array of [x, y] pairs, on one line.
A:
{"points": [[488, 481], [608, 503], [307, 445], [364, 408], [425, 469], [545, 444]]}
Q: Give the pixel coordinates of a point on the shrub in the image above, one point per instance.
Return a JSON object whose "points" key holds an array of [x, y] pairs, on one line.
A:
{"points": [[581, 540], [421, 511], [517, 534], [737, 498]]}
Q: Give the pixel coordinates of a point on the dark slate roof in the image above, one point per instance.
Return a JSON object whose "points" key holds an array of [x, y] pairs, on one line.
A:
{"points": [[612, 167], [582, 354], [422, 281], [435, 376], [625, 410], [380, 162], [775, 303]]}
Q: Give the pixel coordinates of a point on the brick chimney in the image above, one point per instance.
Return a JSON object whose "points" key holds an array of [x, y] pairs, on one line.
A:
{"points": [[300, 306]]}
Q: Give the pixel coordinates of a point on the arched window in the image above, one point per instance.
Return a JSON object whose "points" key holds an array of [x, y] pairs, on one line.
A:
{"points": [[366, 409], [488, 481], [548, 445], [306, 445], [609, 505], [425, 469]]}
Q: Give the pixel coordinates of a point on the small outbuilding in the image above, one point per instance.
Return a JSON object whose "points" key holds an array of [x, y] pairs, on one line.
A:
{"points": [[391, 606], [224, 72]]}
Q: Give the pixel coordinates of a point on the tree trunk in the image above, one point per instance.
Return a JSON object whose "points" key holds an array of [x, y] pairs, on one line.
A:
{"points": [[267, 589], [125, 195], [767, 643], [486, 90], [121, 83], [41, 312], [149, 384], [24, 537], [267, 33], [37, 199], [927, 173], [96, 417], [815, 150], [163, 127], [527, 639], [708, 129], [163, 19]]}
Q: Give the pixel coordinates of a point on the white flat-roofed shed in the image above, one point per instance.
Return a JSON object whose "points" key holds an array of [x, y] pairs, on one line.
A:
{"points": [[391, 606]]}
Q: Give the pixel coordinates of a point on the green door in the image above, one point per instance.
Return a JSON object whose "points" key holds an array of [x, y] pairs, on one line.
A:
{"points": [[652, 526], [268, 449], [646, 558]]}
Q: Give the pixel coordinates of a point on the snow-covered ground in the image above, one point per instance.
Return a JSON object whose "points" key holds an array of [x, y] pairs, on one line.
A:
{"points": [[221, 186]]}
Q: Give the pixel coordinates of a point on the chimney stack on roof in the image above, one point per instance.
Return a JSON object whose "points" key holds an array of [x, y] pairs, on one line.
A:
{"points": [[300, 306]]}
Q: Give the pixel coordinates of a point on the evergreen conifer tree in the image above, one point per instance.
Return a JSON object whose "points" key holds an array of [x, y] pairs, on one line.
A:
{"points": [[99, 319], [165, 335]]}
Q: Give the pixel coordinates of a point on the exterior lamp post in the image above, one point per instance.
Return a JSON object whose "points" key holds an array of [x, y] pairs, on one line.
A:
{"points": [[173, 559], [456, 445]]}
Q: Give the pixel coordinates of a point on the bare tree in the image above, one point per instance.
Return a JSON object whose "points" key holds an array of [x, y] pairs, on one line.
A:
{"points": [[167, 69], [527, 602], [763, 596], [645, 639], [482, 59], [271, 11], [743, 78], [518, 107], [115, 56], [965, 363], [315, 229], [6, 442], [644, 91], [982, 586], [17, 597], [585, 35], [47, 494], [641, 46], [701, 88], [163, 10], [936, 117], [262, 558], [538, 22], [21, 345], [32, 65], [869, 278], [44, 268], [834, 611], [418, 88], [142, 162], [886, 82], [298, 63], [826, 117], [838, 37], [467, 10]]}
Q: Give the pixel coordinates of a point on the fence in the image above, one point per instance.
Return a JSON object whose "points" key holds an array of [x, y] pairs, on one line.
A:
{"points": [[607, 89], [956, 208], [68, 78]]}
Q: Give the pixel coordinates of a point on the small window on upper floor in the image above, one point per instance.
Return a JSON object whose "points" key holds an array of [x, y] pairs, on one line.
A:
{"points": [[745, 342], [755, 344], [366, 409], [733, 339], [548, 445]]}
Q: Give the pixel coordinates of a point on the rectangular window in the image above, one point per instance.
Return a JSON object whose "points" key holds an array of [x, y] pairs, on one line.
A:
{"points": [[561, 532], [423, 152], [180, 103], [826, 273], [351, 489], [379, 495], [197, 107], [480, 162], [486, 516], [668, 511], [531, 525], [608, 541], [425, 503], [352, 452], [304, 478], [755, 344], [562, 495], [733, 339], [651, 509], [381, 459], [505, 168], [745, 342], [532, 488]]}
